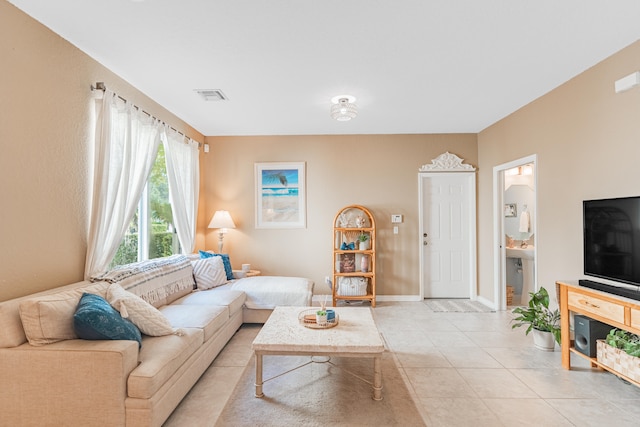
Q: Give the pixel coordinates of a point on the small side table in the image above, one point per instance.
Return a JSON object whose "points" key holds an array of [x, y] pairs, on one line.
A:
{"points": [[250, 273]]}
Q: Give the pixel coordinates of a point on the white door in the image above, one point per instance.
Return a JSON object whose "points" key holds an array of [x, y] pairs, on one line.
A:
{"points": [[448, 235]]}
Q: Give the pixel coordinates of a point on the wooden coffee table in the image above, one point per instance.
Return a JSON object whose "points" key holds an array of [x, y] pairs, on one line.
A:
{"points": [[356, 335]]}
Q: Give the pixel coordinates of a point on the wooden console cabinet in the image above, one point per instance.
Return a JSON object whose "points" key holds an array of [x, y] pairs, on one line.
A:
{"points": [[614, 310]]}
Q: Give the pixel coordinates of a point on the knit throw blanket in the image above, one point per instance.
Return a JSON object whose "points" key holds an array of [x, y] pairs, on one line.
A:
{"points": [[154, 280]]}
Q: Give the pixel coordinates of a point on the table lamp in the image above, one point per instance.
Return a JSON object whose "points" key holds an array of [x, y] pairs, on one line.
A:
{"points": [[222, 221]]}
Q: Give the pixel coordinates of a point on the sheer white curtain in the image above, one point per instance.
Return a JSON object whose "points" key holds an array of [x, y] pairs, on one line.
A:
{"points": [[126, 145], [183, 174]]}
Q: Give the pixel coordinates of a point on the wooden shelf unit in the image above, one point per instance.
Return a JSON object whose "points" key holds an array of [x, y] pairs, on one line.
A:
{"points": [[616, 311], [346, 230]]}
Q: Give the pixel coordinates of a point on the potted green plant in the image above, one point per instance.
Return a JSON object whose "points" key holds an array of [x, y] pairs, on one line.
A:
{"points": [[321, 317], [539, 318], [624, 340], [363, 241]]}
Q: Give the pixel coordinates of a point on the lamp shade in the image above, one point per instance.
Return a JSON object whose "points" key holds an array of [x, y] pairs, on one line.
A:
{"points": [[222, 219]]}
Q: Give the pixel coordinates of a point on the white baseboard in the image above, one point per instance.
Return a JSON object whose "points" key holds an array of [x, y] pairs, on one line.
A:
{"points": [[486, 302], [397, 298], [400, 298]]}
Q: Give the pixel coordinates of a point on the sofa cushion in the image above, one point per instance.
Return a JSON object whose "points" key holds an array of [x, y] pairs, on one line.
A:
{"points": [[267, 292], [209, 273], [49, 318], [158, 281], [225, 260], [160, 358], [209, 318], [95, 319], [146, 317], [217, 296]]}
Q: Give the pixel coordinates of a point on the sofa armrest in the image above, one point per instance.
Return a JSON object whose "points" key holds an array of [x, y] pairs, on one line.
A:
{"points": [[74, 382]]}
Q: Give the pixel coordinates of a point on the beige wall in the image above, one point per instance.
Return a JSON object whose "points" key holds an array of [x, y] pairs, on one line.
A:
{"points": [[45, 134], [587, 139], [376, 171]]}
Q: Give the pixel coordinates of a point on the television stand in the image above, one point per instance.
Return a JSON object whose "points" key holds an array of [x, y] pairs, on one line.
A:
{"points": [[614, 310], [632, 292]]}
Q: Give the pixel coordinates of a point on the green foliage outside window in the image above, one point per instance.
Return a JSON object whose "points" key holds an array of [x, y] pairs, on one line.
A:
{"points": [[161, 244], [127, 251], [159, 204], [163, 240]]}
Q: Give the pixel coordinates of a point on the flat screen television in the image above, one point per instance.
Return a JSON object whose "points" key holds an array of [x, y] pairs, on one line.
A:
{"points": [[612, 240]]}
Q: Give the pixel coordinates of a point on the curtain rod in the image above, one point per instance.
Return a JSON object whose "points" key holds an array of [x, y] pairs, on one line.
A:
{"points": [[101, 86]]}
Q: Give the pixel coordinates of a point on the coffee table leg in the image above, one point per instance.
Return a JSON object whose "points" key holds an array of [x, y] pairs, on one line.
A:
{"points": [[259, 392], [377, 378]]}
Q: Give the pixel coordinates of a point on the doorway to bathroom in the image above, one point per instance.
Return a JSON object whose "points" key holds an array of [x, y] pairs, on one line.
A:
{"points": [[515, 202]]}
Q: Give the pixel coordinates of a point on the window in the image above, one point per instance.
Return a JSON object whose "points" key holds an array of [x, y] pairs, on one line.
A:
{"points": [[151, 233]]}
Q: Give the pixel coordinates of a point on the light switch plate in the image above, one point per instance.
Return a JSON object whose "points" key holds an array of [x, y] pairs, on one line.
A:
{"points": [[395, 219]]}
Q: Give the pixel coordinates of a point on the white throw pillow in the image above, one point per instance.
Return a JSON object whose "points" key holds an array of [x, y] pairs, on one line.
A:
{"points": [[146, 317], [209, 273], [49, 318]]}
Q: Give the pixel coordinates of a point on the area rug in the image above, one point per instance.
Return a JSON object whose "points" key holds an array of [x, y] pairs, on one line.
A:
{"points": [[457, 305], [320, 394]]}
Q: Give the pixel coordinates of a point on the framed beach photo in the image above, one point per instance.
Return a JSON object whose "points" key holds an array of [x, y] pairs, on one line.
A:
{"points": [[280, 195]]}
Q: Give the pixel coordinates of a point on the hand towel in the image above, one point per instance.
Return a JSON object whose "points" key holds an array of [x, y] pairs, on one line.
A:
{"points": [[524, 222]]}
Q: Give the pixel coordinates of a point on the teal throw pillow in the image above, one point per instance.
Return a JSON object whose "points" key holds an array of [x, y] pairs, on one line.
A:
{"points": [[95, 319], [225, 261]]}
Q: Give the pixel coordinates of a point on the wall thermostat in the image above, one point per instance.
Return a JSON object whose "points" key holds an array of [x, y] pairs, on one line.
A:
{"points": [[395, 219]]}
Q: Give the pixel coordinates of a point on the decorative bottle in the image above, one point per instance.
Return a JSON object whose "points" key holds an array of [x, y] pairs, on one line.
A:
{"points": [[364, 264]]}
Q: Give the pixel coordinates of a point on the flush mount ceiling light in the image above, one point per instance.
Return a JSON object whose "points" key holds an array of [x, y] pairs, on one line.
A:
{"points": [[343, 108]]}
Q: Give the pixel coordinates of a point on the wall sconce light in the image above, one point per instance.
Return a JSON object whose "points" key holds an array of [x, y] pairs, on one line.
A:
{"points": [[222, 221], [343, 108]]}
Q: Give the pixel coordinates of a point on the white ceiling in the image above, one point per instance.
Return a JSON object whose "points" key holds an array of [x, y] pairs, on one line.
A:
{"points": [[415, 66]]}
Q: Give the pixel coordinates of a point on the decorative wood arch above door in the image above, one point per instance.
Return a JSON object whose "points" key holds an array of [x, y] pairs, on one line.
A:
{"points": [[447, 162]]}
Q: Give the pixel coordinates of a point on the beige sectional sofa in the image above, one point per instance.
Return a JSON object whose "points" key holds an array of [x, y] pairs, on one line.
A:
{"points": [[51, 377]]}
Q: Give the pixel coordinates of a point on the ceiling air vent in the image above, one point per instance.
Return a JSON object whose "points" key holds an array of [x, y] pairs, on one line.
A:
{"points": [[212, 94]]}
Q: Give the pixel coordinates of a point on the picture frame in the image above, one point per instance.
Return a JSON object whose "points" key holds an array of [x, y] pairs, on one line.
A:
{"points": [[347, 263], [510, 210], [280, 189]]}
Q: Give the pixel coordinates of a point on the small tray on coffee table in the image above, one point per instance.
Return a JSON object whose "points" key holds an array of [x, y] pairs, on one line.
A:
{"points": [[307, 318]]}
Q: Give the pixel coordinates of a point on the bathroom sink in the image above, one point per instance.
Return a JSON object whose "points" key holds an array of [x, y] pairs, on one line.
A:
{"points": [[524, 253]]}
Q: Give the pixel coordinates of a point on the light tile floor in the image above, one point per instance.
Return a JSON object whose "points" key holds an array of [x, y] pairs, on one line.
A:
{"points": [[462, 369]]}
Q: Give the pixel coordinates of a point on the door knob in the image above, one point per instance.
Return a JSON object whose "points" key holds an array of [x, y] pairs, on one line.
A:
{"points": [[424, 234], [425, 243]]}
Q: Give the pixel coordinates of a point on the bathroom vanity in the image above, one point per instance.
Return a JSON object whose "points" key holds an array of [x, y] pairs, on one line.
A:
{"points": [[527, 257]]}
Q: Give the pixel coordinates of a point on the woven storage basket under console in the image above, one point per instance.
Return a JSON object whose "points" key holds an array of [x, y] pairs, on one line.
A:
{"points": [[618, 360]]}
